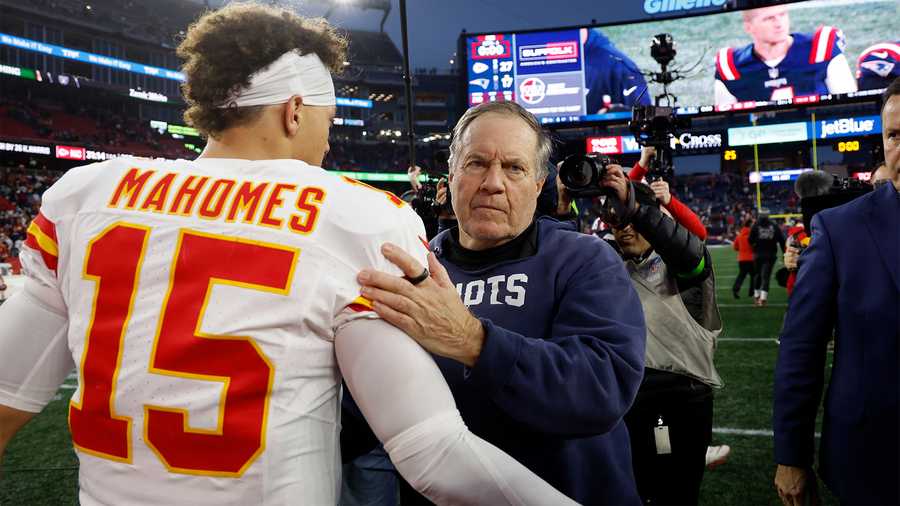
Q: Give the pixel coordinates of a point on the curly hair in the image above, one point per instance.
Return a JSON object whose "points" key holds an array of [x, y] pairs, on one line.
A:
{"points": [[223, 48]]}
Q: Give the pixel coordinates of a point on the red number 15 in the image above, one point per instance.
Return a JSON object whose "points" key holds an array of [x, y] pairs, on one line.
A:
{"points": [[180, 349]]}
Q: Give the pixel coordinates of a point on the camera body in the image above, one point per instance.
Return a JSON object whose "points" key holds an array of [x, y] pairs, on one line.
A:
{"points": [[425, 202], [842, 190], [581, 174], [662, 48], [654, 126]]}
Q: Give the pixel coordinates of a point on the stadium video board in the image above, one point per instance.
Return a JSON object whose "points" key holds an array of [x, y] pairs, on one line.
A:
{"points": [[799, 53]]}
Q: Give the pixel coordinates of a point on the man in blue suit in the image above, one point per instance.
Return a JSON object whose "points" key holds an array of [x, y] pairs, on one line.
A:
{"points": [[849, 284]]}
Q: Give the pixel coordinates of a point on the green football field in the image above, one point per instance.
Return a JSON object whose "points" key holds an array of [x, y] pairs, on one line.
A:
{"points": [[40, 466]]}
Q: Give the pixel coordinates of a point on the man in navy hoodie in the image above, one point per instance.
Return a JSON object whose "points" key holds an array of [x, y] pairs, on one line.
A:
{"points": [[537, 329]]}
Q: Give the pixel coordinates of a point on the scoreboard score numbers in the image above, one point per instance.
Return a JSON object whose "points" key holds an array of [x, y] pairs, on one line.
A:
{"points": [[847, 146]]}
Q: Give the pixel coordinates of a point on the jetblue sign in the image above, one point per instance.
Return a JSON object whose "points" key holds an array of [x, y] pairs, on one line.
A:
{"points": [[847, 127], [676, 6]]}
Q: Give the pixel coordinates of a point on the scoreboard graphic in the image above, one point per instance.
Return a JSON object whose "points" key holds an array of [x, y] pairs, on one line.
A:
{"points": [[598, 73], [491, 74], [542, 71]]}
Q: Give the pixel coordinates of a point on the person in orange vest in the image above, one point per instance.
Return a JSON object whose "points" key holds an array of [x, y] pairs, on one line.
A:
{"points": [[745, 260]]}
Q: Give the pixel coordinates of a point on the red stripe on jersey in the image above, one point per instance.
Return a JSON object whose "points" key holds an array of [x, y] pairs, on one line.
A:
{"points": [[830, 48], [731, 65], [425, 243], [49, 260], [358, 308], [719, 66], [46, 226], [815, 45]]}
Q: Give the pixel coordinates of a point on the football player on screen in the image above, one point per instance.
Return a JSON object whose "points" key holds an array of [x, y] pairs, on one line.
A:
{"points": [[878, 65], [611, 79], [780, 65]]}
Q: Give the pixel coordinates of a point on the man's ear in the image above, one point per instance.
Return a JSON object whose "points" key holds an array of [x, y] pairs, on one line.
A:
{"points": [[540, 183], [292, 112]]}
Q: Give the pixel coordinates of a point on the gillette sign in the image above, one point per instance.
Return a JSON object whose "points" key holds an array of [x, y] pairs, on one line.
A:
{"points": [[848, 127], [666, 6]]}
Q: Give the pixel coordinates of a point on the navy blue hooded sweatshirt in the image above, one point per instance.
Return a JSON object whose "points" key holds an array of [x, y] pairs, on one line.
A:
{"points": [[561, 364]]}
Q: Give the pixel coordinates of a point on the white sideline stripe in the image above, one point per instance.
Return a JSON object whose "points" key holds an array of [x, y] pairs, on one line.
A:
{"points": [[68, 387], [747, 339], [747, 432]]}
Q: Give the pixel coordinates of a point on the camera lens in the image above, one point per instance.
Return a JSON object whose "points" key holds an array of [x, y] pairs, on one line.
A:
{"points": [[577, 172]]}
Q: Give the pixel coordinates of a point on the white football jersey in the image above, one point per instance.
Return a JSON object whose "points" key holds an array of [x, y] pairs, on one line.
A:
{"points": [[203, 298]]}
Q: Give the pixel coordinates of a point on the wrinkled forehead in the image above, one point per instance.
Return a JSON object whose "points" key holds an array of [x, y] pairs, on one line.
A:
{"points": [[764, 12], [890, 114], [501, 135]]}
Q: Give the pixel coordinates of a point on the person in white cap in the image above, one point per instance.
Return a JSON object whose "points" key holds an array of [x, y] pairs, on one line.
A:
{"points": [[210, 307]]}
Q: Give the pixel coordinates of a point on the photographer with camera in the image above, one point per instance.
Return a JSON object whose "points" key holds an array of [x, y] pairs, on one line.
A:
{"points": [[430, 201], [848, 285], [680, 212], [670, 423]]}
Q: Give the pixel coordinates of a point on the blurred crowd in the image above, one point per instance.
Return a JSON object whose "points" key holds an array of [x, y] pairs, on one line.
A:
{"points": [[21, 188], [75, 123]]}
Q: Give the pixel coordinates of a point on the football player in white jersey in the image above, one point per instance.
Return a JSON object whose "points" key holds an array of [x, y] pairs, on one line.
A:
{"points": [[206, 305]]}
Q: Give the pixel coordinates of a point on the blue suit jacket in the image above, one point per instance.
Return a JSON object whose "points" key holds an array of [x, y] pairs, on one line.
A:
{"points": [[849, 284]]}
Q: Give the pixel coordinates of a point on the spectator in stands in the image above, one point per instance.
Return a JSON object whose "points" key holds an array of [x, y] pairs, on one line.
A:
{"points": [[765, 237], [670, 423], [745, 261], [544, 353], [679, 211]]}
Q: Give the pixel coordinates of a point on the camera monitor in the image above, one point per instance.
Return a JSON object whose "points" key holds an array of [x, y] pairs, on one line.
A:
{"points": [[796, 53]]}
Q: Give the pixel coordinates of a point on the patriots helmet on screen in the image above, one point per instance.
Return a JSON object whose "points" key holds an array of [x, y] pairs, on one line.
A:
{"points": [[878, 65], [802, 71]]}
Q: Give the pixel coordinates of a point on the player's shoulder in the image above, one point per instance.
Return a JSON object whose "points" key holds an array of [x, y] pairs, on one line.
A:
{"points": [[821, 45], [731, 60], [72, 190], [357, 209]]}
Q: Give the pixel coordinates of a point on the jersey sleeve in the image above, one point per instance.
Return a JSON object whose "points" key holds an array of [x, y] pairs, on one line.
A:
{"points": [[34, 352], [726, 70], [421, 428], [40, 252], [828, 42], [407, 232]]}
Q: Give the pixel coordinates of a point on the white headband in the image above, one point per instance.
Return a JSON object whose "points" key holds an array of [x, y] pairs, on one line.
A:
{"points": [[289, 75]]}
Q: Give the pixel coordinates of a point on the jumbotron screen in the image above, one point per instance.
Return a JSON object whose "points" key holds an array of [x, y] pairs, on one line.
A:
{"points": [[798, 53]]}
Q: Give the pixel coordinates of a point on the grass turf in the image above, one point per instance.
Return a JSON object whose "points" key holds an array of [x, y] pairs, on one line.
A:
{"points": [[40, 466]]}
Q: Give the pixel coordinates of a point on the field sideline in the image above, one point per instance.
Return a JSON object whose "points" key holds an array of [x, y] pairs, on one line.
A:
{"points": [[40, 466]]}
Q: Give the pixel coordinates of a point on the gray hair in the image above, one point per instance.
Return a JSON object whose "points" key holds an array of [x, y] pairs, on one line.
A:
{"points": [[544, 146]]}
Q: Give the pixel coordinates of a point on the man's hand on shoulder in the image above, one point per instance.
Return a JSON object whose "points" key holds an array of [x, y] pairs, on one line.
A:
{"points": [[796, 486], [430, 311]]}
